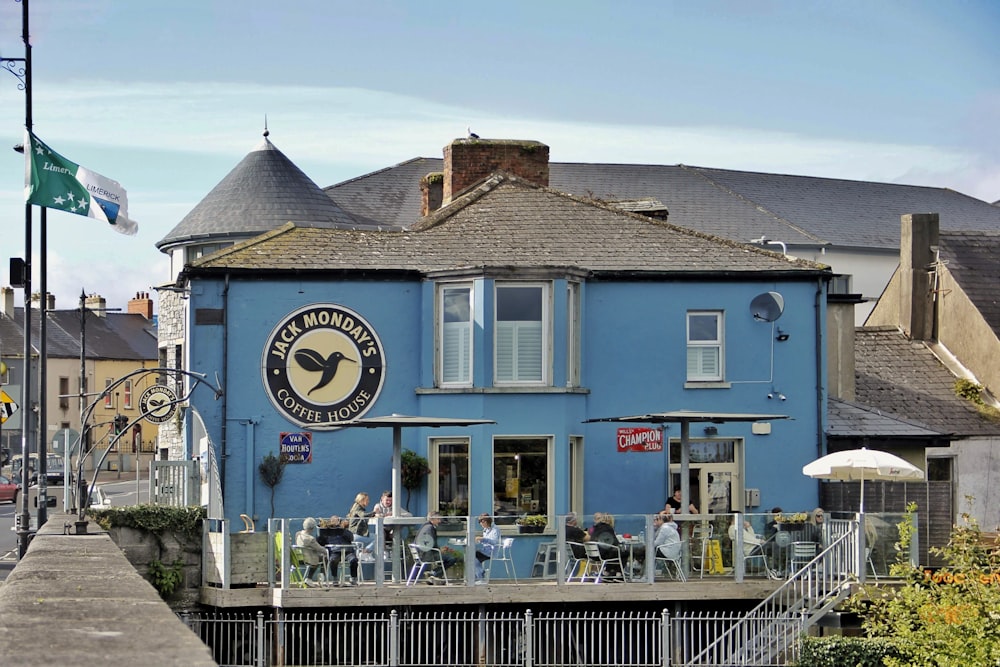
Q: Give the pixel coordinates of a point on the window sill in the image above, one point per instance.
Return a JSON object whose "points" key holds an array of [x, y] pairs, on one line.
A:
{"points": [[502, 390], [708, 385]]}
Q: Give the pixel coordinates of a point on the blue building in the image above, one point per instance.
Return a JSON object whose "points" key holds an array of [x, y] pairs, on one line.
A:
{"points": [[520, 304]]}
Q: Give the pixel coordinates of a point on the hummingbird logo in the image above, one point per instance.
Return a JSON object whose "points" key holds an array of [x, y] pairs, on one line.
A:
{"points": [[311, 360]]}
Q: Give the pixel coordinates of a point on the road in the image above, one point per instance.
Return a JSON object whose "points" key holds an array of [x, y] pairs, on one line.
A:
{"points": [[120, 492]]}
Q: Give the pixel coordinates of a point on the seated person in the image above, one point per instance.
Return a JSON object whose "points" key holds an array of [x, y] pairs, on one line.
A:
{"points": [[426, 540], [751, 542], [383, 508], [486, 544], [312, 551], [667, 536], [576, 536], [603, 532], [674, 503], [336, 535], [816, 530]]}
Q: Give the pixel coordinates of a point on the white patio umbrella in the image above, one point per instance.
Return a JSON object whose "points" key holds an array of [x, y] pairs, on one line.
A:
{"points": [[860, 464]]}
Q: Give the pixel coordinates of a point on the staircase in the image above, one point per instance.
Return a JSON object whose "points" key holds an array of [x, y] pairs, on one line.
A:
{"points": [[769, 633]]}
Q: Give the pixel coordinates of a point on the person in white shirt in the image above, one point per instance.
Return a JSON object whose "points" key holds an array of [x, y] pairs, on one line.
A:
{"points": [[750, 539], [486, 544], [667, 536]]}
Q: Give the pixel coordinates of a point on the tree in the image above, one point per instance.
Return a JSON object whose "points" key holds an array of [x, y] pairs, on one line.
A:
{"points": [[271, 470], [945, 618], [414, 469]]}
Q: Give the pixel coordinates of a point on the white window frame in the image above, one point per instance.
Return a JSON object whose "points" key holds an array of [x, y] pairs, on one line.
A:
{"points": [[698, 349], [127, 392], [444, 338], [433, 485], [545, 343], [574, 328]]}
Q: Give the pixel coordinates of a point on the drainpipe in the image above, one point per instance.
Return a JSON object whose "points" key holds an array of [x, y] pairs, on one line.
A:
{"points": [[225, 386], [821, 389]]}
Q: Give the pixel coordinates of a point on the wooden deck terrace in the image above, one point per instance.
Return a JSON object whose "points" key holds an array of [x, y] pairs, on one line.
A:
{"points": [[526, 591]]}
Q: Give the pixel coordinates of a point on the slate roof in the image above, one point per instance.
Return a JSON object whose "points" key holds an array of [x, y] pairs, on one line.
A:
{"points": [[846, 419], [508, 222], [116, 336], [972, 259], [902, 377], [738, 205], [264, 191]]}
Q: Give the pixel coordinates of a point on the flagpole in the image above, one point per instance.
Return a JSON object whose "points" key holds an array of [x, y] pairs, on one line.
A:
{"points": [[43, 360]]}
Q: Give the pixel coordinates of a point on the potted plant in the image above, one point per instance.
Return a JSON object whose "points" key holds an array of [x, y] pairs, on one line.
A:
{"points": [[414, 469], [532, 523]]}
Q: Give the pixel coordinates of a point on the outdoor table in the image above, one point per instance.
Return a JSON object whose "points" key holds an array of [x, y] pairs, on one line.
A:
{"points": [[345, 550]]}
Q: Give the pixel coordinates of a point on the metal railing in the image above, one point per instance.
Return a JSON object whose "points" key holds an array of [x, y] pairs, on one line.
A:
{"points": [[457, 639]]}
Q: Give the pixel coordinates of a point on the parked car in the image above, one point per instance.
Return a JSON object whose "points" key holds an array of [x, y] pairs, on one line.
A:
{"points": [[99, 499], [8, 489]]}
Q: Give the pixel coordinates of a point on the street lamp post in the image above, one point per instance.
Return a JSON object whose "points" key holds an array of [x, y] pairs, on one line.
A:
{"points": [[23, 74]]}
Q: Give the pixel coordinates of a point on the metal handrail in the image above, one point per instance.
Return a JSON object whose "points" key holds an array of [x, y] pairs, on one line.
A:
{"points": [[804, 597]]}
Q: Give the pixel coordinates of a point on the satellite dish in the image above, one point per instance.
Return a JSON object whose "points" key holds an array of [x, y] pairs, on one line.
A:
{"points": [[767, 307]]}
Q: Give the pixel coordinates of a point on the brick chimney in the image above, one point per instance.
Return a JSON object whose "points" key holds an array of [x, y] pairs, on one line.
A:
{"points": [[918, 247], [7, 296], [431, 190], [141, 305], [468, 161], [96, 304]]}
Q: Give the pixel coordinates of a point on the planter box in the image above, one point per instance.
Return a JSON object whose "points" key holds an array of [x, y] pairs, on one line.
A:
{"points": [[531, 529]]}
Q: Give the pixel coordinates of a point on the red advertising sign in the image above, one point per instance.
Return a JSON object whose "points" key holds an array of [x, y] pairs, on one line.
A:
{"points": [[640, 439]]}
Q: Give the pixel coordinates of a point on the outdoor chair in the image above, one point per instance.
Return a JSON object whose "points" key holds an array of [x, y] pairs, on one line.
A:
{"points": [[669, 556], [799, 555], [576, 561], [757, 558], [296, 575], [601, 559], [503, 555], [425, 561], [700, 536]]}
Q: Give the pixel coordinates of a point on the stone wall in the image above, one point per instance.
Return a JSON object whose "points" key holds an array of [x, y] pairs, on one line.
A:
{"points": [[141, 548]]}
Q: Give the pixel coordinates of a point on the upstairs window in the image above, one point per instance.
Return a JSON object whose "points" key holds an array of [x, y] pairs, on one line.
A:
{"points": [[520, 334], [704, 346], [455, 334]]}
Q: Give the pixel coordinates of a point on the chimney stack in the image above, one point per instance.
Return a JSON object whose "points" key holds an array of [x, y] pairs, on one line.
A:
{"points": [[97, 304], [141, 305], [7, 295], [431, 190], [50, 301], [918, 249], [468, 161]]}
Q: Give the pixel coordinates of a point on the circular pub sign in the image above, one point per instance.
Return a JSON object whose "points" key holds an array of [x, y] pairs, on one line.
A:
{"points": [[157, 404], [322, 363]]}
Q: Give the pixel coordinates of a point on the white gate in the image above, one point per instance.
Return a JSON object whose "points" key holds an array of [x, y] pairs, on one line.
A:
{"points": [[175, 483]]}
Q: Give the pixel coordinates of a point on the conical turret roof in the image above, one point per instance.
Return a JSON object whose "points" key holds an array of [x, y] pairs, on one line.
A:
{"points": [[264, 191]]}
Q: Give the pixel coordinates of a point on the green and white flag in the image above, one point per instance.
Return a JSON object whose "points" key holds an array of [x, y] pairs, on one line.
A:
{"points": [[52, 181]]}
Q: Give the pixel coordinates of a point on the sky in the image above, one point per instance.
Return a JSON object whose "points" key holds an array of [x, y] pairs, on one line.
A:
{"points": [[168, 97]]}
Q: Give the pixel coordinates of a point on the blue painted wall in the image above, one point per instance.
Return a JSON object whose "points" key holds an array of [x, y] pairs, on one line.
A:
{"points": [[634, 361]]}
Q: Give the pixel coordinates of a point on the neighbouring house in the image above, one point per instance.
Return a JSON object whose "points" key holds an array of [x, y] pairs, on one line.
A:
{"points": [[929, 353], [115, 343], [520, 304]]}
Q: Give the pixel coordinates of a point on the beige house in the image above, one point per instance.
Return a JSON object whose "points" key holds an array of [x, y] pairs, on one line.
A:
{"points": [[115, 344]]}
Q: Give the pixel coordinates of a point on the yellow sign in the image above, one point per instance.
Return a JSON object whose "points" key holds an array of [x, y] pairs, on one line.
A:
{"points": [[7, 406]]}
